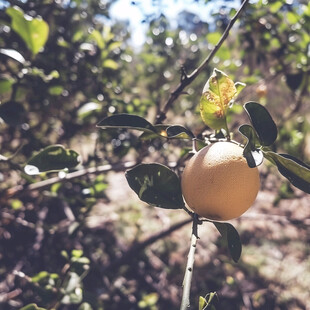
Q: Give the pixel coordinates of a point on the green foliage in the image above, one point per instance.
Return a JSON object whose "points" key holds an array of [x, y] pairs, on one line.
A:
{"points": [[12, 112], [262, 122], [157, 185], [34, 31], [251, 151], [217, 96], [231, 238], [177, 131], [52, 158], [296, 171], [126, 121], [207, 302]]}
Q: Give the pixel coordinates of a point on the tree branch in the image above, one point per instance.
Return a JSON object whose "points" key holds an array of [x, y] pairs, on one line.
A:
{"points": [[188, 79], [15, 191], [139, 246], [185, 304]]}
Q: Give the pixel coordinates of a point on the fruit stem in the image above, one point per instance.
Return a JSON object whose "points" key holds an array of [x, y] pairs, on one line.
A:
{"points": [[190, 264], [227, 130], [190, 213], [194, 146]]}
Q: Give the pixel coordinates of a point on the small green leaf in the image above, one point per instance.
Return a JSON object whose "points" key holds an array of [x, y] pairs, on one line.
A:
{"points": [[6, 84], [249, 133], [55, 90], [32, 307], [42, 275], [262, 122], [85, 306], [148, 301], [88, 108], [127, 121], [97, 36], [34, 31], [52, 158], [156, 185], [207, 301], [253, 155], [16, 204], [17, 56], [110, 64], [77, 253], [216, 99], [202, 303], [231, 237], [13, 113], [294, 80], [275, 6], [213, 37], [72, 289], [296, 171], [177, 131]]}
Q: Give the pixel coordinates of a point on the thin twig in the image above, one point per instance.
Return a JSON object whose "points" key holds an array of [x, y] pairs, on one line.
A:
{"points": [[14, 191], [139, 246], [188, 79]]}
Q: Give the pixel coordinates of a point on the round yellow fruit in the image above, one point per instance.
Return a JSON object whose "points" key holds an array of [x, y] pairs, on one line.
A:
{"points": [[217, 182]]}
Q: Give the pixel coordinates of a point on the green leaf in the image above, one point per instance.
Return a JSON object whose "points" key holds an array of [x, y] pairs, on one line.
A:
{"points": [[207, 301], [110, 64], [6, 84], [262, 122], [13, 54], [160, 131], [249, 133], [292, 17], [213, 37], [72, 289], [252, 154], [16, 204], [231, 237], [127, 121], [34, 31], [275, 7], [52, 158], [55, 90], [32, 307], [156, 185], [88, 108], [97, 36], [177, 131], [40, 276], [216, 99], [148, 301], [294, 80], [13, 113], [85, 306], [202, 303], [296, 171]]}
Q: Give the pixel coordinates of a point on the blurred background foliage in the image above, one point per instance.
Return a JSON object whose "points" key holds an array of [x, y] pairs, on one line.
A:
{"points": [[79, 243]]}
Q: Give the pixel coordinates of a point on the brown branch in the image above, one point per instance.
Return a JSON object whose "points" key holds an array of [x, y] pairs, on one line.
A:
{"points": [[139, 246], [21, 189], [188, 79]]}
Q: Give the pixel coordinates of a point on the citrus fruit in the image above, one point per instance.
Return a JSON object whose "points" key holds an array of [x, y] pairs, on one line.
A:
{"points": [[217, 182]]}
